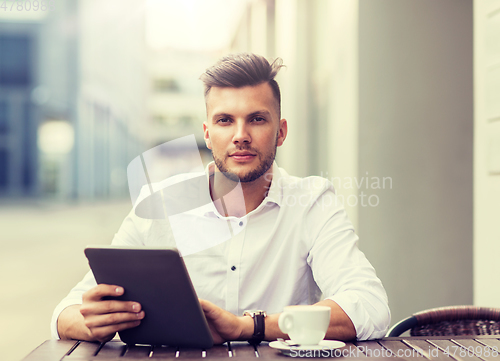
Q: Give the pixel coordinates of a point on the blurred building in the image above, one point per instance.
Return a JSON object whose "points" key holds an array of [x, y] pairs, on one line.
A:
{"points": [[72, 98], [19, 44], [176, 107], [486, 151]]}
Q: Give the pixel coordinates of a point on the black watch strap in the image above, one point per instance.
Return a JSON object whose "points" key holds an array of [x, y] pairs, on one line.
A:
{"points": [[259, 321]]}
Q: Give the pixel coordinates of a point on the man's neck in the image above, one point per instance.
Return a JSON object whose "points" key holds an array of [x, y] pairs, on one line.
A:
{"points": [[233, 199]]}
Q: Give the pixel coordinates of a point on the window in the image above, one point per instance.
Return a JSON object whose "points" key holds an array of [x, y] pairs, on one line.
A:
{"points": [[15, 69], [166, 86], [4, 169], [4, 120]]}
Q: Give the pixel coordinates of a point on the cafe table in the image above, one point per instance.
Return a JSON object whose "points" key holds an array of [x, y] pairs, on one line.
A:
{"points": [[473, 348]]}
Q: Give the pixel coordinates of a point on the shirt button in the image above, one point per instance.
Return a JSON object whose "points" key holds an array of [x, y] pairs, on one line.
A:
{"points": [[233, 268], [241, 223]]}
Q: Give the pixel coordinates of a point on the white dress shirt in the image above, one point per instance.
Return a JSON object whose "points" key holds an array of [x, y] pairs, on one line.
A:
{"points": [[296, 246]]}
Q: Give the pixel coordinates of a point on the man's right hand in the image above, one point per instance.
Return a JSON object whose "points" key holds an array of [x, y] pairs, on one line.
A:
{"points": [[98, 319]]}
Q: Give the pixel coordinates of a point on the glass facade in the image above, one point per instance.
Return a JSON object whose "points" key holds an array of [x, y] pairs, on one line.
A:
{"points": [[15, 67], [17, 146]]}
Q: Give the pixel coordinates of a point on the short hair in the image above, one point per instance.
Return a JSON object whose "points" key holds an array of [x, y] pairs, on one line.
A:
{"points": [[243, 69]]}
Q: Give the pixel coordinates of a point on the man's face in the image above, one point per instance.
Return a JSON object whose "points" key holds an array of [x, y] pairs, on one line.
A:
{"points": [[243, 130]]}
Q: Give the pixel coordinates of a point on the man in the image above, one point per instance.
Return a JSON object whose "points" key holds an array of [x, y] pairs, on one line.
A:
{"points": [[297, 242]]}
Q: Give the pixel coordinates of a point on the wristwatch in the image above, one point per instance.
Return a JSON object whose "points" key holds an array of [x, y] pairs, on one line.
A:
{"points": [[259, 325]]}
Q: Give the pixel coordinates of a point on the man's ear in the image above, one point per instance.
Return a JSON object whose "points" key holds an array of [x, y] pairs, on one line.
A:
{"points": [[282, 132], [206, 136]]}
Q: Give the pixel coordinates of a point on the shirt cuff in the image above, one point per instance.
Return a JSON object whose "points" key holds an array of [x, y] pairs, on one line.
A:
{"points": [[367, 327], [55, 316]]}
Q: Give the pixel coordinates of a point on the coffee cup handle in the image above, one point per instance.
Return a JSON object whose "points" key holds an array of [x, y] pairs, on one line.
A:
{"points": [[285, 322]]}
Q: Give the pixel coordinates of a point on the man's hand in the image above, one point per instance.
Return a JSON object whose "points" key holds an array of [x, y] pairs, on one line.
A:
{"points": [[224, 325], [104, 318], [227, 327]]}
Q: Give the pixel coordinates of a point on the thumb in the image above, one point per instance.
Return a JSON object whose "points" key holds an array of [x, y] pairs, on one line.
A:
{"points": [[209, 308]]}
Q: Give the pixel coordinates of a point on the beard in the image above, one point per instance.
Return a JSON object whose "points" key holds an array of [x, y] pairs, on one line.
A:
{"points": [[265, 162]]}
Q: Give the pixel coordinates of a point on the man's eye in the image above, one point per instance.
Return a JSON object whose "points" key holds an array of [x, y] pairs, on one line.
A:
{"points": [[223, 120], [258, 119]]}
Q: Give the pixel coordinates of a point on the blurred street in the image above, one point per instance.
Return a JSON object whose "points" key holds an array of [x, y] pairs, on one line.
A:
{"points": [[41, 259]]}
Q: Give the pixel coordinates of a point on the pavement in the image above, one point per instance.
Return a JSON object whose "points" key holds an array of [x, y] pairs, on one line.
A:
{"points": [[41, 259]]}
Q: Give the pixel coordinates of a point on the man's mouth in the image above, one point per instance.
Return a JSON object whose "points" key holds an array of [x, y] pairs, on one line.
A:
{"points": [[242, 156]]}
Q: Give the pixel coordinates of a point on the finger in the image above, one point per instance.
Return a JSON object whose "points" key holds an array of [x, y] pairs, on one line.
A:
{"points": [[211, 311], [206, 305], [102, 290], [202, 303], [112, 319], [106, 333], [105, 307]]}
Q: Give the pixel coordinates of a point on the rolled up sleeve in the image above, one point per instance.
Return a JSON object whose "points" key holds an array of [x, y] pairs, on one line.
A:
{"points": [[73, 298], [129, 234], [343, 273]]}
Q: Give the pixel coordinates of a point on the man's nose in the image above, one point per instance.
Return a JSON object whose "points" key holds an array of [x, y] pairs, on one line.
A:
{"points": [[241, 134]]}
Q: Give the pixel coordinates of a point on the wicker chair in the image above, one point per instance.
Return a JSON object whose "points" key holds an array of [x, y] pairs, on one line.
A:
{"points": [[450, 321]]}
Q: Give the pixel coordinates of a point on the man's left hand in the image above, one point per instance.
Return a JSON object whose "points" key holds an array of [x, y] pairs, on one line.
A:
{"points": [[224, 325]]}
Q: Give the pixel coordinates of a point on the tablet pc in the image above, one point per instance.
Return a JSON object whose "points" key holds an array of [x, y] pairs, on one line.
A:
{"points": [[159, 281]]}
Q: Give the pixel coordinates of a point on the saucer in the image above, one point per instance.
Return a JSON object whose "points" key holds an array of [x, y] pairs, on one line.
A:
{"points": [[301, 350]]}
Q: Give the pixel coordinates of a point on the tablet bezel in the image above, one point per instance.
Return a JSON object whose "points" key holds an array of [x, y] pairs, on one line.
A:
{"points": [[159, 281]]}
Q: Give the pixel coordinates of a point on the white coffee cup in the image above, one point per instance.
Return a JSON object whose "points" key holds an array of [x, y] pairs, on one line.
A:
{"points": [[305, 325]]}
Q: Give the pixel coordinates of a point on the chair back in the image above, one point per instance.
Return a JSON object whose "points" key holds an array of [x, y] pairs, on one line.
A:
{"points": [[450, 321]]}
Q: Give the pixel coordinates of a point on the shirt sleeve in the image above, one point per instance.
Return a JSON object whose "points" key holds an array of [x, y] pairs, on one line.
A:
{"points": [[73, 298], [129, 234], [342, 271]]}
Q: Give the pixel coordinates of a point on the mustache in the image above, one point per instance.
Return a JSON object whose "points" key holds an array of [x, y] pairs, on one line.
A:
{"points": [[245, 147]]}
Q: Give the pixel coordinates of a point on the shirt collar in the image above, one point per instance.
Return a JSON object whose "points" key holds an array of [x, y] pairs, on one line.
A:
{"points": [[275, 193]]}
